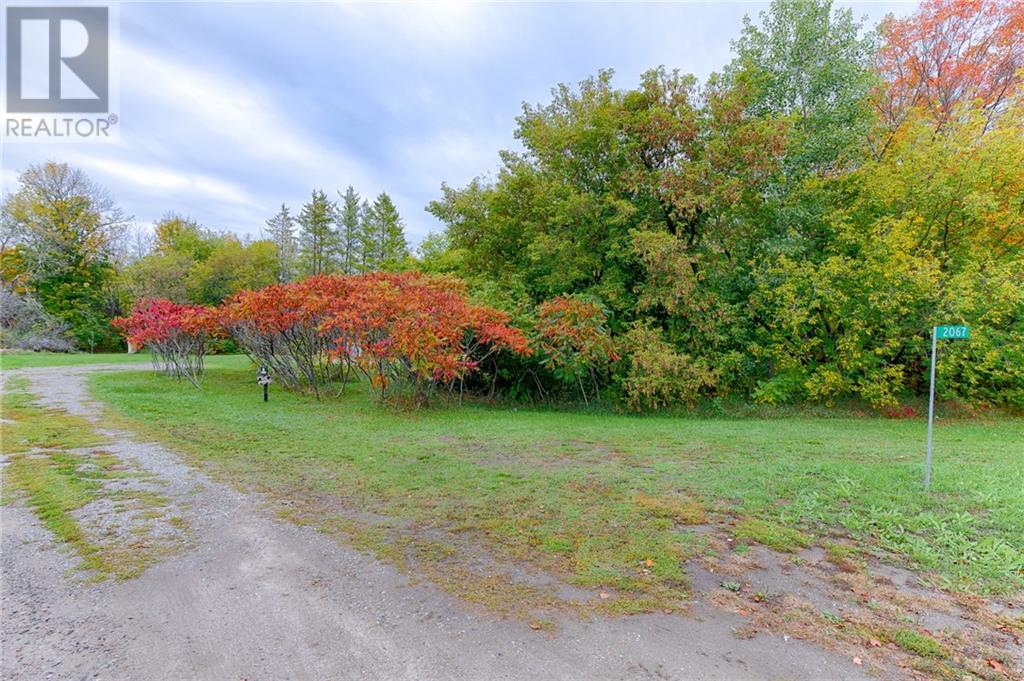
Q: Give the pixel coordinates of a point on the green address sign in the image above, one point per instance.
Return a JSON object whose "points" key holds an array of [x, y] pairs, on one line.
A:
{"points": [[952, 332]]}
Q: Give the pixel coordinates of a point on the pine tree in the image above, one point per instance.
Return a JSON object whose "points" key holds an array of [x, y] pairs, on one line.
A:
{"points": [[387, 234], [367, 243], [350, 238], [316, 235], [281, 229]]}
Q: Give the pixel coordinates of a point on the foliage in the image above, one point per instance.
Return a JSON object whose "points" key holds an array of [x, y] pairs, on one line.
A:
{"points": [[279, 327], [317, 238], [573, 342], [350, 232], [948, 53], [281, 229], [175, 334], [812, 63], [657, 374], [66, 229], [770, 233], [396, 329], [383, 238]]}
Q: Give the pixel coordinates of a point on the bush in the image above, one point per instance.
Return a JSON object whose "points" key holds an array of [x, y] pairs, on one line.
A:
{"points": [[176, 335], [659, 376], [24, 325], [397, 329]]}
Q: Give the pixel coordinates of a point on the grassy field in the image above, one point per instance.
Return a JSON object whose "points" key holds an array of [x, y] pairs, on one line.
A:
{"points": [[603, 500], [21, 360]]}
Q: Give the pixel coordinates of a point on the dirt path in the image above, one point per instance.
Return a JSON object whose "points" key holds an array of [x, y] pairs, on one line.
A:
{"points": [[257, 598]]}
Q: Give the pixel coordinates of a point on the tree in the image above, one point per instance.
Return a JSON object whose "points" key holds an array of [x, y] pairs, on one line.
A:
{"points": [[350, 238], [368, 245], [316, 234], [281, 229], [947, 54], [812, 63], [385, 232], [232, 267], [179, 235], [67, 228]]}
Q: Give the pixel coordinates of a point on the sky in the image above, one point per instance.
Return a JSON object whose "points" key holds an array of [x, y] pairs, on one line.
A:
{"points": [[229, 109]]}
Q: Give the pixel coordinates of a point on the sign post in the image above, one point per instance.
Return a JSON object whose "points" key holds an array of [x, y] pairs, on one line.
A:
{"points": [[263, 378], [945, 333]]}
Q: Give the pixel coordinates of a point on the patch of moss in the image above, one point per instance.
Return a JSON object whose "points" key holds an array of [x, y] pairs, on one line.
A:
{"points": [[683, 510], [772, 535], [919, 644]]}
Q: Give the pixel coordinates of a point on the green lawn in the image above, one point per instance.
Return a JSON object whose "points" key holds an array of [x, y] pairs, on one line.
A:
{"points": [[20, 360], [593, 496]]}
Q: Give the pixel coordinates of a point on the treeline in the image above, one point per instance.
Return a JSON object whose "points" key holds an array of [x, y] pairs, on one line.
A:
{"points": [[71, 260], [790, 229]]}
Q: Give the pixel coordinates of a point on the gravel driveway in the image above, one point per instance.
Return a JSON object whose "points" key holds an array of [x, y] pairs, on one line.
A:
{"points": [[254, 597]]}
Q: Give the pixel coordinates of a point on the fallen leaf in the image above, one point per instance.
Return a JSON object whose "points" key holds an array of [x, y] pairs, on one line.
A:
{"points": [[603, 595], [535, 625], [875, 643], [857, 660], [648, 562], [998, 666], [743, 613]]}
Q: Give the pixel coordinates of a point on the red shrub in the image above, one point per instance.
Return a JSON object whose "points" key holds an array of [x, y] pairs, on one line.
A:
{"points": [[572, 337], [175, 334], [406, 328]]}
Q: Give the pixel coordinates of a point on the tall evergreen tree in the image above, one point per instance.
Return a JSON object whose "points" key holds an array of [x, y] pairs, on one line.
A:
{"points": [[350, 240], [387, 233], [316, 234], [367, 243], [281, 229]]}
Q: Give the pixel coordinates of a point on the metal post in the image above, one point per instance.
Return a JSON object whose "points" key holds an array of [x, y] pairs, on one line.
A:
{"points": [[931, 416], [265, 386]]}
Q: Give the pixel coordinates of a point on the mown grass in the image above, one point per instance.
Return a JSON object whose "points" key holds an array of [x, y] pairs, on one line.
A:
{"points": [[605, 500], [22, 360], [55, 464]]}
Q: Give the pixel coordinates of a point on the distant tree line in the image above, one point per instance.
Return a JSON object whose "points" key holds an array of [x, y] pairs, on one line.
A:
{"points": [[70, 259]]}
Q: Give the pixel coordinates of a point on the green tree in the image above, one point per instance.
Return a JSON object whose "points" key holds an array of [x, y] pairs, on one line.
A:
{"points": [[232, 267], [67, 229], [281, 230], [813, 63], [176, 234], [386, 235], [317, 237], [350, 237]]}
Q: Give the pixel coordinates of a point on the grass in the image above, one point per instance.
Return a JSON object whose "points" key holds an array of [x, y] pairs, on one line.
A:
{"points": [[21, 360], [56, 465], [919, 644], [605, 500]]}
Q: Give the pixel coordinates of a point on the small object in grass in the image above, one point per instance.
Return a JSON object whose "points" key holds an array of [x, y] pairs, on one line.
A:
{"points": [[731, 586], [743, 613], [857, 660], [535, 625], [874, 643], [603, 595], [997, 665], [648, 562]]}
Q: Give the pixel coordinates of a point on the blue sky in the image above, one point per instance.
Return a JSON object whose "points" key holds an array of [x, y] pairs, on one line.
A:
{"points": [[229, 109]]}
